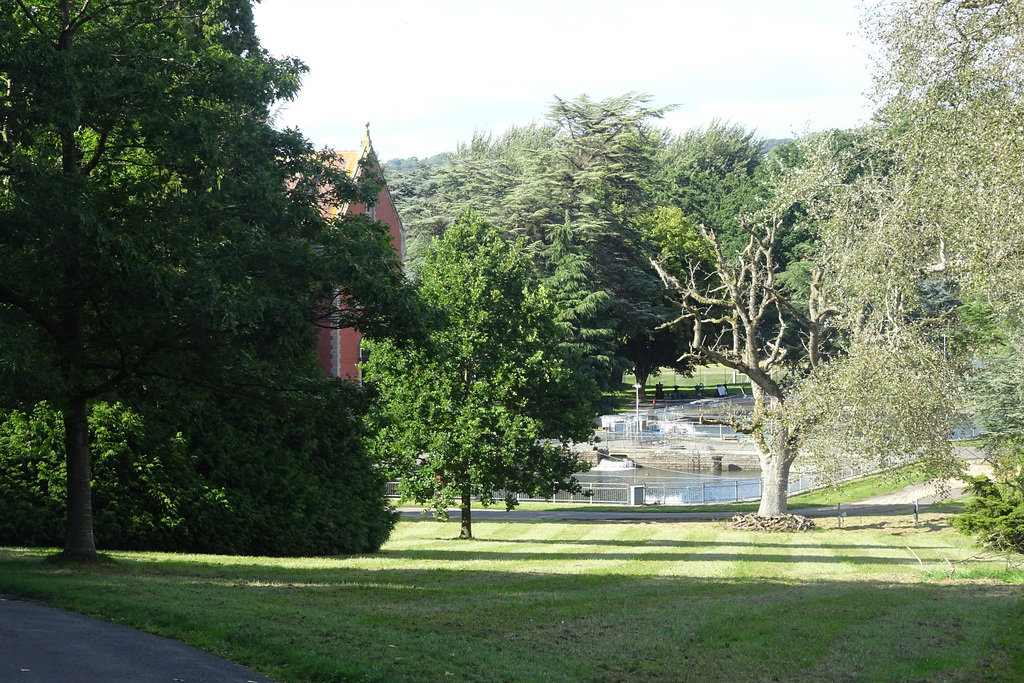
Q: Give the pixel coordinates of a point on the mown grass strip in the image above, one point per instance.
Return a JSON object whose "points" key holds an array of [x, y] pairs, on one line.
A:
{"points": [[577, 602]]}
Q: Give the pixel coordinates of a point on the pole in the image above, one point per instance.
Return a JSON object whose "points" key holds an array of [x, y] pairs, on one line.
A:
{"points": [[637, 386]]}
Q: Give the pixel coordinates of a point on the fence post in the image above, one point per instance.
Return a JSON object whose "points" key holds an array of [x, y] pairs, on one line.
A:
{"points": [[702, 485], [736, 495]]}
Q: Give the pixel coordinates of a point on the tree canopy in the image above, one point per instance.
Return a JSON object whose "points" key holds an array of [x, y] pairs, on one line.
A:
{"points": [[574, 187], [490, 402], [155, 226]]}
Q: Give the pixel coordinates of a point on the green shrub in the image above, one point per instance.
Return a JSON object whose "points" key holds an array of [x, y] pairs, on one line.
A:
{"points": [[297, 476], [144, 489], [290, 477], [995, 515], [33, 482]]}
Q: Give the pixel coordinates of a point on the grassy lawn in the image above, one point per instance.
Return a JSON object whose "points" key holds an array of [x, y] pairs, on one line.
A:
{"points": [[623, 397], [708, 375], [577, 601]]}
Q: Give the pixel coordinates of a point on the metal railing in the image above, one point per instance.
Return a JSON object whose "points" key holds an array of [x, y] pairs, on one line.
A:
{"points": [[698, 493]]}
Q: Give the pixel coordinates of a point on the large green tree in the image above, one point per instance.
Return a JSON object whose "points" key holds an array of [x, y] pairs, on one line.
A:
{"points": [[490, 401], [948, 93], [153, 225], [573, 187], [949, 208], [711, 175]]}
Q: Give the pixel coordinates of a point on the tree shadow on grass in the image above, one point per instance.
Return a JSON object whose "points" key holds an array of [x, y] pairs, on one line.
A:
{"points": [[757, 542], [406, 623], [701, 555], [653, 516]]}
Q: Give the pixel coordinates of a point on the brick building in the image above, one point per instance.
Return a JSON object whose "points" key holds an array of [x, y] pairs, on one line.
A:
{"points": [[338, 351]]}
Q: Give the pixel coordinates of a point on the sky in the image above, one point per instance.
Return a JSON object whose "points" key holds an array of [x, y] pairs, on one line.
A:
{"points": [[427, 74]]}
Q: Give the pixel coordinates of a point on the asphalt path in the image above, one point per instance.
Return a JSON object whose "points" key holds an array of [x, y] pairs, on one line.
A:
{"points": [[40, 644]]}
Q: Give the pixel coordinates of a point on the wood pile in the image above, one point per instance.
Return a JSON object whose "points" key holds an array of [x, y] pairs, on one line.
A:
{"points": [[754, 522]]}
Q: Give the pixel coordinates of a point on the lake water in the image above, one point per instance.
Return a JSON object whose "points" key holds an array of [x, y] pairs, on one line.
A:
{"points": [[669, 487], [653, 475]]}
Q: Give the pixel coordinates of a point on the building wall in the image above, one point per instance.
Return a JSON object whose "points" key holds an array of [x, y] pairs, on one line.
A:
{"points": [[338, 351], [326, 352]]}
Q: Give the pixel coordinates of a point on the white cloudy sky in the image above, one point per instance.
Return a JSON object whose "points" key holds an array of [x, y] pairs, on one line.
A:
{"points": [[426, 74]]}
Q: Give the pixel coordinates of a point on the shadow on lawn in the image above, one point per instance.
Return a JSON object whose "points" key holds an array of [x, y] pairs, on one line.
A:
{"points": [[707, 555], [652, 515], [405, 624], [641, 543]]}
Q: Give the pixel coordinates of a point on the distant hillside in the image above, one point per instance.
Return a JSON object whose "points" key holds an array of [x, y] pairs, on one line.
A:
{"points": [[774, 142], [410, 163]]}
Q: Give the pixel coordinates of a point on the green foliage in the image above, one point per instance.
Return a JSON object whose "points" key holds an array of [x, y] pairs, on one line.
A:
{"points": [[602, 167], [998, 393], [242, 478], [676, 235], [584, 314], [414, 186], [995, 514], [490, 400], [394, 167], [711, 176], [948, 204], [572, 188], [662, 348], [33, 481], [139, 493], [293, 472], [948, 87], [891, 406], [154, 226]]}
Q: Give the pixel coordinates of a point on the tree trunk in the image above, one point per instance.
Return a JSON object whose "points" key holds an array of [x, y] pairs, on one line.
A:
{"points": [[775, 480], [467, 519], [80, 542]]}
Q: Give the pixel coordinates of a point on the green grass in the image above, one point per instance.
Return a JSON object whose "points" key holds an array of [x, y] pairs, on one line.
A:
{"points": [[857, 489], [623, 397], [563, 601], [709, 376]]}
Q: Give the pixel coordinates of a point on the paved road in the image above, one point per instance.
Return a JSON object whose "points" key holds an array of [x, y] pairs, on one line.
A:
{"points": [[44, 645]]}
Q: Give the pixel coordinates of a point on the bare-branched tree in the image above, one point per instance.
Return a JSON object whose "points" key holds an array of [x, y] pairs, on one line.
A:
{"points": [[864, 379], [740, 322]]}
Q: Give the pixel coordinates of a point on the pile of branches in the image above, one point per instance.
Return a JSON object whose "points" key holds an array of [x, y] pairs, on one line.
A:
{"points": [[774, 523]]}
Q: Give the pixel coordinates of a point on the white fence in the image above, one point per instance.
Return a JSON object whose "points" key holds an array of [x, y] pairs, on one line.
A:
{"points": [[674, 424], [696, 493]]}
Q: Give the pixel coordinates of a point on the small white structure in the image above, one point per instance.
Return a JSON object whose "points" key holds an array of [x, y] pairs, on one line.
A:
{"points": [[613, 464]]}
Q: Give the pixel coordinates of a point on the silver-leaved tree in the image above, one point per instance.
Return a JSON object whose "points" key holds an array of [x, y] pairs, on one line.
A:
{"points": [[860, 379]]}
